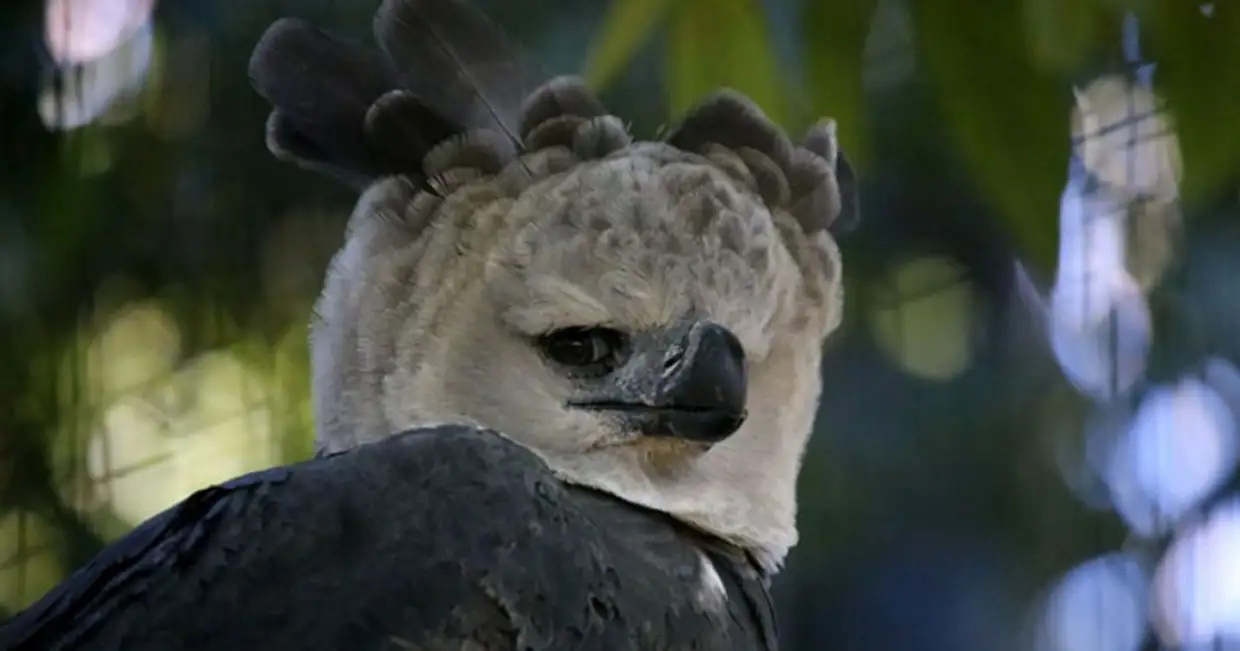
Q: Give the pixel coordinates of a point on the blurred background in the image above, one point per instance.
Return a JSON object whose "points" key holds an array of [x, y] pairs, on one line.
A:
{"points": [[1028, 435]]}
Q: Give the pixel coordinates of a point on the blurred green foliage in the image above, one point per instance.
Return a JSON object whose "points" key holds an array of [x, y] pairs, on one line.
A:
{"points": [[180, 209], [1199, 76], [1000, 71]]}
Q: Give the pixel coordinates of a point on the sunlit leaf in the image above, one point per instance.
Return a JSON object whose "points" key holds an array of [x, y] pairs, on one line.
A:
{"points": [[1009, 119], [722, 44], [928, 292], [1061, 34], [627, 24], [28, 563], [835, 35], [1198, 57]]}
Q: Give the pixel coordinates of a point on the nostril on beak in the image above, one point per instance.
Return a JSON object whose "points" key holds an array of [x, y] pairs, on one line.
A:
{"points": [[674, 359]]}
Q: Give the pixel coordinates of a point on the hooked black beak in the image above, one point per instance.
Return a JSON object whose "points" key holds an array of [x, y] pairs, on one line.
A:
{"points": [[701, 390]]}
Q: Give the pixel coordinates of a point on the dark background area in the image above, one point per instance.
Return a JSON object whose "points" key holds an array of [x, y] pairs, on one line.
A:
{"points": [[1028, 430]]}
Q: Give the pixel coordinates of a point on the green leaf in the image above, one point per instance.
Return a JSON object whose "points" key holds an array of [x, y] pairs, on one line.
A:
{"points": [[1062, 34], [627, 24], [1008, 118], [717, 44], [835, 34], [1198, 74]]}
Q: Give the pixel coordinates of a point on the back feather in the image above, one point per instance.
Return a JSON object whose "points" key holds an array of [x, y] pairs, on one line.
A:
{"points": [[320, 88], [453, 57], [359, 114]]}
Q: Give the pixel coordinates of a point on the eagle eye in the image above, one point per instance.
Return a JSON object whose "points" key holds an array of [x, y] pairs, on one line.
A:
{"points": [[592, 351]]}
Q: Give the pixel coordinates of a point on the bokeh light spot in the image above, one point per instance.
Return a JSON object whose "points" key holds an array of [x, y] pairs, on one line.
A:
{"points": [[1098, 606], [1197, 585], [926, 318]]}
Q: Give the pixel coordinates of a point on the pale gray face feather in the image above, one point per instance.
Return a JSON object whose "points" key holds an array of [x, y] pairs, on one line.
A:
{"points": [[647, 317]]}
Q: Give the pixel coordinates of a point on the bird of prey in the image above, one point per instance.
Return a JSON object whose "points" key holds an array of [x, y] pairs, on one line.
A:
{"points": [[563, 379]]}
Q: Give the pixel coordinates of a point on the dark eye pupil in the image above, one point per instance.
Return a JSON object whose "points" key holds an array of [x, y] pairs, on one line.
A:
{"points": [[581, 346]]}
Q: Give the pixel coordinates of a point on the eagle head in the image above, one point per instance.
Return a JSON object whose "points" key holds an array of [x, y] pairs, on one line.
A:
{"points": [[648, 317]]}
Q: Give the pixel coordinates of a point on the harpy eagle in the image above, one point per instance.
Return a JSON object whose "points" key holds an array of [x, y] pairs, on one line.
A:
{"points": [[563, 380]]}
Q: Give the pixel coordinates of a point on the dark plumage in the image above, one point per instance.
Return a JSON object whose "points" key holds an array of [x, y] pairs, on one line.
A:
{"points": [[428, 540]]}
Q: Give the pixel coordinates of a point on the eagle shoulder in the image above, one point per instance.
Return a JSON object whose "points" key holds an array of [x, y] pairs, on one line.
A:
{"points": [[433, 537]]}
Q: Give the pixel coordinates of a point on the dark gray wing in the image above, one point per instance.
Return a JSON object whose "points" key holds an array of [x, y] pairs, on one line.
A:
{"points": [[432, 539], [115, 581]]}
